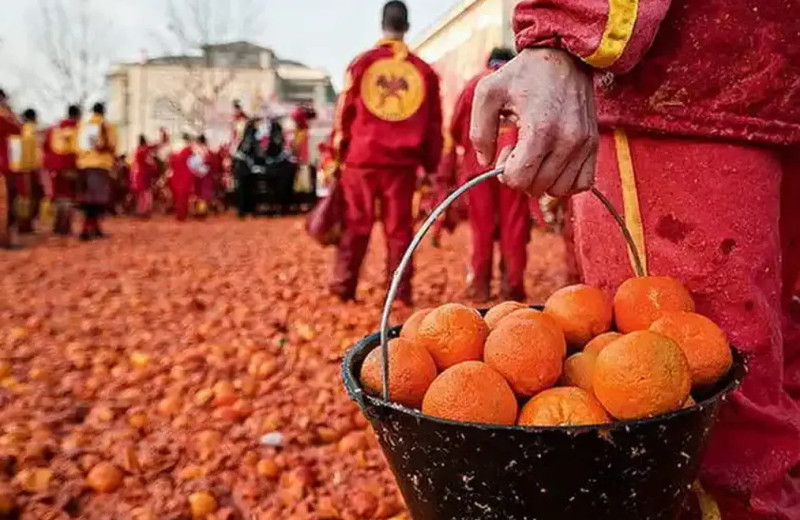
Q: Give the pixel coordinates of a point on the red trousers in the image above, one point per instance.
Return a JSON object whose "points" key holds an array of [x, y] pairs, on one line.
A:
{"points": [[495, 208], [712, 216], [181, 201], [394, 191]]}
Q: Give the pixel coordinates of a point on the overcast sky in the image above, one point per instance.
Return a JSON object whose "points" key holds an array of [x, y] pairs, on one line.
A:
{"points": [[321, 33]]}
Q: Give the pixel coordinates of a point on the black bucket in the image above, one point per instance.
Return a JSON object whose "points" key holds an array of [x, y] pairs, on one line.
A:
{"points": [[637, 470]]}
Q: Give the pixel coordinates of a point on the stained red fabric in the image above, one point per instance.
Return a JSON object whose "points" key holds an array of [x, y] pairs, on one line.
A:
{"points": [[394, 190], [362, 140], [9, 125], [723, 68], [711, 214]]}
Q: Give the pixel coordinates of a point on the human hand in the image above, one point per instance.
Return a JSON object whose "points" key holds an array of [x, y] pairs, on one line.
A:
{"points": [[552, 97]]}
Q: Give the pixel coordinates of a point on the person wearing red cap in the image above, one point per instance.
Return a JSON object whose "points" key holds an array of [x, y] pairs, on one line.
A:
{"points": [[698, 105], [388, 123], [494, 210]]}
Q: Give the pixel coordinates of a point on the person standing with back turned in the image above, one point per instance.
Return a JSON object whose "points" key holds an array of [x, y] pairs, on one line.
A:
{"points": [[97, 147], [388, 124], [698, 105]]}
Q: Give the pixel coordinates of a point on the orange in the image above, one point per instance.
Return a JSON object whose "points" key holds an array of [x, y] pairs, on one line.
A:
{"points": [[642, 374], [641, 301], [528, 353], [409, 330], [704, 343], [471, 392], [600, 342], [535, 316], [411, 372], [581, 311], [453, 333], [579, 370], [565, 406], [689, 402], [500, 311]]}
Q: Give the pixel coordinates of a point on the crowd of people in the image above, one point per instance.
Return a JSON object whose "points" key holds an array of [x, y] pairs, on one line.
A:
{"points": [[77, 164]]}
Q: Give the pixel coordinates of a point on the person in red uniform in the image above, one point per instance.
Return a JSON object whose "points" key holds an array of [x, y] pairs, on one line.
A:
{"points": [[698, 105], [494, 210], [388, 123], [26, 171], [60, 163], [184, 164], [10, 126], [143, 174], [204, 178]]}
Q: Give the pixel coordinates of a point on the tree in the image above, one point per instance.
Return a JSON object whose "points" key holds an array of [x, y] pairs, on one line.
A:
{"points": [[72, 39], [192, 28]]}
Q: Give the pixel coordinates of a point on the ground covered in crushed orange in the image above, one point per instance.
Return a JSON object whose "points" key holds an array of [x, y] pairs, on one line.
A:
{"points": [[170, 349]]}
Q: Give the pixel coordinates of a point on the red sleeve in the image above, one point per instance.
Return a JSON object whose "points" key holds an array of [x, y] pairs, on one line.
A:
{"points": [[435, 140], [9, 123], [345, 112], [459, 125], [606, 34]]}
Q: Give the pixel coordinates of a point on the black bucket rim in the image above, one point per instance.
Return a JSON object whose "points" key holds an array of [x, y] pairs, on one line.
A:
{"points": [[734, 377]]}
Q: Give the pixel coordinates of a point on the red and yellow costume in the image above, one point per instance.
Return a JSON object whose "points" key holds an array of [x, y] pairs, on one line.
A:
{"points": [[693, 97], [26, 165], [204, 182], [9, 126], [494, 209], [97, 149], [144, 171], [60, 164], [299, 140], [388, 123]]}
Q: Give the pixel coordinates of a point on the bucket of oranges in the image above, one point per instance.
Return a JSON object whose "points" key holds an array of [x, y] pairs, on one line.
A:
{"points": [[588, 407]]}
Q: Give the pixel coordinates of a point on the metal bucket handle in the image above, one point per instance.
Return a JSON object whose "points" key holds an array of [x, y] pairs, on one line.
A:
{"points": [[423, 230]]}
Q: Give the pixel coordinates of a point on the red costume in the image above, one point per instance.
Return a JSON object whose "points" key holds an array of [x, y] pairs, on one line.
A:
{"points": [[144, 171], [182, 180], [706, 198], [494, 209], [9, 126], [388, 123], [299, 141], [59, 162], [204, 179]]}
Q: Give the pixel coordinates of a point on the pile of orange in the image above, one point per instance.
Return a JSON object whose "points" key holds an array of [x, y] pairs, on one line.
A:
{"points": [[639, 355]]}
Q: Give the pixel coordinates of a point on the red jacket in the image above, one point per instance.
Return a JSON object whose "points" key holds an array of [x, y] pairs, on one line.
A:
{"points": [[389, 114], [182, 180], [143, 168], [60, 146], [710, 68], [9, 125]]}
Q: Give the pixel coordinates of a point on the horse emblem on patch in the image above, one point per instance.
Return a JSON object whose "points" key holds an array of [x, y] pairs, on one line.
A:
{"points": [[392, 89]]}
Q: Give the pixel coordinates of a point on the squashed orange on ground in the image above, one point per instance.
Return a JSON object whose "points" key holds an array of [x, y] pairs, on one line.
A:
{"points": [[471, 392], [581, 311], [453, 333], [500, 311], [704, 343], [563, 406], [641, 301], [642, 374], [411, 372], [528, 353]]}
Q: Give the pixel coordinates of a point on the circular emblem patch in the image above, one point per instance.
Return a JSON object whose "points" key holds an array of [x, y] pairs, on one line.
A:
{"points": [[392, 89]]}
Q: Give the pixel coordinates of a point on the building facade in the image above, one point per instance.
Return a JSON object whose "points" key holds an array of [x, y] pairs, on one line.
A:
{"points": [[458, 45], [195, 93]]}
